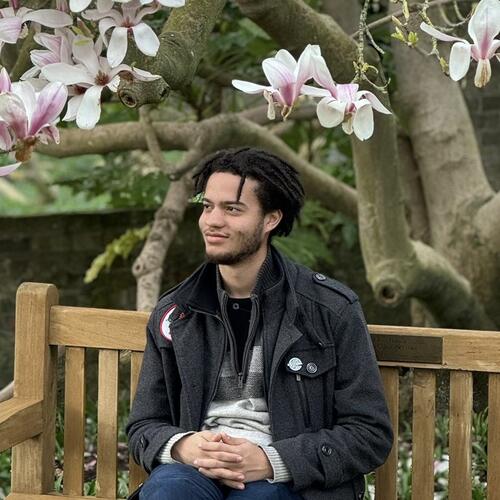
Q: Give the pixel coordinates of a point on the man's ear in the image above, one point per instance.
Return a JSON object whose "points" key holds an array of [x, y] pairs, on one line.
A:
{"points": [[272, 219]]}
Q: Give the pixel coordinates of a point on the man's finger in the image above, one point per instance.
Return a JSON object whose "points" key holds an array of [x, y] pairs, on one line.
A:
{"points": [[212, 463], [222, 473], [226, 438], [215, 437], [233, 484], [223, 456], [218, 446]]}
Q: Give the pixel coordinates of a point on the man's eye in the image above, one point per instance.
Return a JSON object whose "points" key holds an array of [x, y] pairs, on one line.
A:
{"points": [[232, 209], [206, 206]]}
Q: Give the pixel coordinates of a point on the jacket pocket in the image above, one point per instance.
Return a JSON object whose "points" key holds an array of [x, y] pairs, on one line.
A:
{"points": [[312, 368]]}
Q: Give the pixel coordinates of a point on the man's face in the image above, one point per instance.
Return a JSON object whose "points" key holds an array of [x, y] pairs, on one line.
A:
{"points": [[232, 230]]}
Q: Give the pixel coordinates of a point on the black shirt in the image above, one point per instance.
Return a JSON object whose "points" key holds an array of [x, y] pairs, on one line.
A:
{"points": [[239, 311]]}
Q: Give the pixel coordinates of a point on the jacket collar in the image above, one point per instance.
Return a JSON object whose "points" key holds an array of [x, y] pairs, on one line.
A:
{"points": [[201, 290]]}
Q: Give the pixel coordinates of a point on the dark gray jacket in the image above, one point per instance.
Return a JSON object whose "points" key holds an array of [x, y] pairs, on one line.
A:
{"points": [[330, 425]]}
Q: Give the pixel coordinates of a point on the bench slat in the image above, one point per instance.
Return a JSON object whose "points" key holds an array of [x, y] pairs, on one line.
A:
{"points": [[98, 328], [494, 436], [107, 423], [74, 420], [424, 415], [460, 482], [386, 476], [137, 474]]}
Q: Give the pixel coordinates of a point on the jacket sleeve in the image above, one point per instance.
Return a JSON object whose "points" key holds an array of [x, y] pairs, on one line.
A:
{"points": [[361, 437], [150, 423]]}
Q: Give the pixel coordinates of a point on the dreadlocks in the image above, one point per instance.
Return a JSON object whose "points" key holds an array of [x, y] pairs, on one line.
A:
{"points": [[279, 184]]}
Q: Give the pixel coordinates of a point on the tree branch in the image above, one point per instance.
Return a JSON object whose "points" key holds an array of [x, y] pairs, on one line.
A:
{"points": [[148, 267], [182, 43]]}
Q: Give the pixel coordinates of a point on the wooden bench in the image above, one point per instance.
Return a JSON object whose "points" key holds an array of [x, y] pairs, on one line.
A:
{"points": [[27, 421]]}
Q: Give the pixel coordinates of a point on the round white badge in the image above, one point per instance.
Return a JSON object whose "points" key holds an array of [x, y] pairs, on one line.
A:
{"points": [[295, 364], [165, 322]]}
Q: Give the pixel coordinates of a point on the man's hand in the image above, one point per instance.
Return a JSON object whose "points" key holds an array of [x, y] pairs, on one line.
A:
{"points": [[253, 466], [188, 449]]}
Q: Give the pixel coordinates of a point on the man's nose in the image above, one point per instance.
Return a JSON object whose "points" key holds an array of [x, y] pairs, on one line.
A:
{"points": [[215, 217]]}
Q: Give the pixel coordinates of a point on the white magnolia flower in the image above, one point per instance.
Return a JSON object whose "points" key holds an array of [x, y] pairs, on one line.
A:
{"points": [[12, 21], [79, 5], [483, 27], [128, 22], [27, 116], [287, 78], [91, 76], [345, 103]]}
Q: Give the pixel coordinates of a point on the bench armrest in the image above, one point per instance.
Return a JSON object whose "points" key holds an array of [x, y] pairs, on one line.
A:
{"points": [[20, 419]]}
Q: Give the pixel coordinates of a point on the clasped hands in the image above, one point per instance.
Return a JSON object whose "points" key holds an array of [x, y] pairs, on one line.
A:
{"points": [[233, 461]]}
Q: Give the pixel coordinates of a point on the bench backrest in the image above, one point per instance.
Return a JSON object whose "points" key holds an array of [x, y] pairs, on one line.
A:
{"points": [[42, 326]]}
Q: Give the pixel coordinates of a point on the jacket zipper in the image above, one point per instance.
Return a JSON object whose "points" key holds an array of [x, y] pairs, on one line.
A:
{"points": [[304, 403], [240, 371], [221, 360]]}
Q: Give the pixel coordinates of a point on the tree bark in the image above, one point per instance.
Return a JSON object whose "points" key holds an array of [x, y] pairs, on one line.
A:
{"points": [[397, 268]]}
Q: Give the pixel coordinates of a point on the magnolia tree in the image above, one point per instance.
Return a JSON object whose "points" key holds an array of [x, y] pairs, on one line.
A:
{"points": [[426, 212]]}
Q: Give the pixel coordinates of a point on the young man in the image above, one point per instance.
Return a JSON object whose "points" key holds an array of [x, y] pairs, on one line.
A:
{"points": [[259, 379]]}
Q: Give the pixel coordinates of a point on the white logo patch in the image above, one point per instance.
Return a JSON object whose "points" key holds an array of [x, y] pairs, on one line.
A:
{"points": [[165, 323]]}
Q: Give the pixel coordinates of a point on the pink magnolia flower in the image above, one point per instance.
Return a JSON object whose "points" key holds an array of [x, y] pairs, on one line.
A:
{"points": [[27, 116], [483, 27], [12, 21], [128, 22], [345, 103], [79, 5], [57, 49], [287, 78], [91, 76]]}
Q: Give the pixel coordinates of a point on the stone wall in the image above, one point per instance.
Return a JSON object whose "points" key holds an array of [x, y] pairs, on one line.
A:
{"points": [[59, 248]]}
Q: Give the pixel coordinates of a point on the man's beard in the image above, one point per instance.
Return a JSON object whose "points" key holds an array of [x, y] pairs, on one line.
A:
{"points": [[250, 244]]}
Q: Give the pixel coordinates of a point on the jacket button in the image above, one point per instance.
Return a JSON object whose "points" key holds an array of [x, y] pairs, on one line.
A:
{"points": [[312, 367], [295, 364], [326, 450], [320, 277]]}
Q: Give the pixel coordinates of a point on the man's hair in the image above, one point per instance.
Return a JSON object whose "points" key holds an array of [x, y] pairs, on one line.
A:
{"points": [[279, 186]]}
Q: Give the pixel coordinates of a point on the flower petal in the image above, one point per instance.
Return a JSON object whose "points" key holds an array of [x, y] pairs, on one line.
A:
{"points": [[5, 85], [362, 123], [171, 3], [69, 75], [374, 101], [249, 87], [314, 91], [104, 5], [104, 25], [484, 25], [142, 74], [287, 59], [49, 104], [430, 30], [49, 17], [13, 113], [89, 110], [72, 108], [277, 74], [78, 5], [322, 75], [10, 29], [145, 39], [41, 58], [305, 68], [330, 112], [8, 169], [83, 52], [459, 60], [117, 48], [50, 42], [5, 138]]}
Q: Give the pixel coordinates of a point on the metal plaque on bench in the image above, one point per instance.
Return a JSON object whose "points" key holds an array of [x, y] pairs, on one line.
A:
{"points": [[408, 348]]}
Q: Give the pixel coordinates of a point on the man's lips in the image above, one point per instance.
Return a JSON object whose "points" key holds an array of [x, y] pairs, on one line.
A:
{"points": [[214, 237]]}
